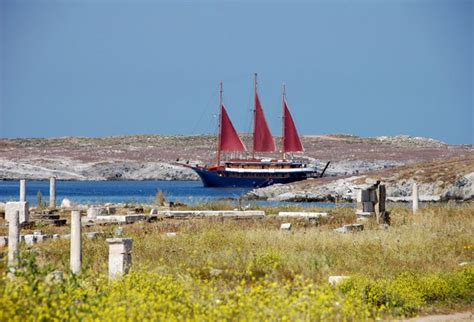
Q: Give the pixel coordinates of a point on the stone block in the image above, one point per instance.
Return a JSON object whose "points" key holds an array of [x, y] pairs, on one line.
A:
{"points": [[285, 226], [120, 256], [368, 206], [42, 238], [171, 234], [56, 236], [334, 280], [22, 207], [154, 211], [3, 241], [111, 210], [311, 215], [30, 239], [93, 212], [92, 235], [66, 203], [349, 228]]}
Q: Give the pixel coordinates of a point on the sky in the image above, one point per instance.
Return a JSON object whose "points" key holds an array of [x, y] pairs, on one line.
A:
{"points": [[368, 68]]}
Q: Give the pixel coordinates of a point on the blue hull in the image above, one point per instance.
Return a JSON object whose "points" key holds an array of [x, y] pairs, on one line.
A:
{"points": [[217, 179]]}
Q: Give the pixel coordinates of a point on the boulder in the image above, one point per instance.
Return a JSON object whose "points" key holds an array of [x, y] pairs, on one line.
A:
{"points": [[66, 203]]}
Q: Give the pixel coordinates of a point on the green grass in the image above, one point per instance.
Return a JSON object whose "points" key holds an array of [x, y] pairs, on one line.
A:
{"points": [[263, 273]]}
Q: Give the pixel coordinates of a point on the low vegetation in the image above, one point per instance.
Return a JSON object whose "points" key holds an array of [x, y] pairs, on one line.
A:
{"points": [[250, 270]]}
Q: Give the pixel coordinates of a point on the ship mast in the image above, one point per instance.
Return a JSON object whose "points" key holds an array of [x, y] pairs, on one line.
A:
{"points": [[254, 114], [218, 161], [283, 124]]}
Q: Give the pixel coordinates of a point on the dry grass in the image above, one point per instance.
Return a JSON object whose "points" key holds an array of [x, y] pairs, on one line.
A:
{"points": [[433, 241], [230, 260]]}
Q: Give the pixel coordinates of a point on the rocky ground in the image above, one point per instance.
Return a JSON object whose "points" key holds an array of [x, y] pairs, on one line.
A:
{"points": [[451, 179], [143, 157]]}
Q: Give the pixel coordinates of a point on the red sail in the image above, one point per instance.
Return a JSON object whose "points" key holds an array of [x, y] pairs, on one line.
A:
{"points": [[291, 139], [262, 137], [229, 139]]}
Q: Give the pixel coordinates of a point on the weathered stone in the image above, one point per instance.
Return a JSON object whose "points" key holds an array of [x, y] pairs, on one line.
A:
{"points": [[215, 272], [368, 206], [22, 190], [127, 219], [350, 228], [334, 280], [42, 238], [312, 215], [76, 242], [120, 256], [66, 203], [22, 207], [30, 239], [37, 232], [3, 241], [93, 212], [285, 226], [111, 210], [56, 236], [415, 198], [92, 235], [52, 192], [54, 277], [13, 238], [171, 234], [154, 211], [212, 213]]}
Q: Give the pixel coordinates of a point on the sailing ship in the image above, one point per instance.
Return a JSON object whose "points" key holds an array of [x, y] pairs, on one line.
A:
{"points": [[256, 172]]}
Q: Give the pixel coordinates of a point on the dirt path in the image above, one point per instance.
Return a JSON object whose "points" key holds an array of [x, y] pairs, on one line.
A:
{"points": [[462, 316]]}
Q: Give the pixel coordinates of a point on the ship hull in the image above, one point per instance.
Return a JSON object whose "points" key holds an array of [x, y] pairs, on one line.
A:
{"points": [[211, 178]]}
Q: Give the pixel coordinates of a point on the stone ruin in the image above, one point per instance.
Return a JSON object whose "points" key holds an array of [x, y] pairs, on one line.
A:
{"points": [[371, 203]]}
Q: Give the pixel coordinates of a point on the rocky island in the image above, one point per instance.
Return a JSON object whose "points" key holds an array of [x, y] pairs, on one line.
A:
{"points": [[444, 171]]}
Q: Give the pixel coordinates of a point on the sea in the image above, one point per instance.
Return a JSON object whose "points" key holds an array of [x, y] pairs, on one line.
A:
{"points": [[136, 192]]}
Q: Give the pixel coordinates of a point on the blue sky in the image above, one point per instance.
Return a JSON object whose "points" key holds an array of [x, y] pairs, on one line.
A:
{"points": [[96, 68]]}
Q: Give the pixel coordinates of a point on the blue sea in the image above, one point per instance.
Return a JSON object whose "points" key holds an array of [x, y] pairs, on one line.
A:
{"points": [[100, 192]]}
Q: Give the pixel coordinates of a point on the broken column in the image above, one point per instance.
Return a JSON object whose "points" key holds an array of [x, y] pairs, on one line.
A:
{"points": [[414, 197], [13, 238], [380, 204], [76, 242], [120, 256], [52, 192], [22, 190], [22, 207]]}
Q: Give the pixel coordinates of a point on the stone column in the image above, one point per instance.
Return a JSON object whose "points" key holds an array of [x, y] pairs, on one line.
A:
{"points": [[380, 204], [76, 242], [22, 190], [120, 256], [52, 192], [414, 196], [13, 238]]}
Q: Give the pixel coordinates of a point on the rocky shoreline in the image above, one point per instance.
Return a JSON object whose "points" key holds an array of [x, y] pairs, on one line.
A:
{"points": [[437, 181]]}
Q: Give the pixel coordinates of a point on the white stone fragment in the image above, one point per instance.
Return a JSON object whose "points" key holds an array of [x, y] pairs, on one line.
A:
{"points": [[3, 241], [334, 280], [30, 239], [304, 214], [120, 256], [22, 207], [285, 226], [66, 203], [94, 212]]}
